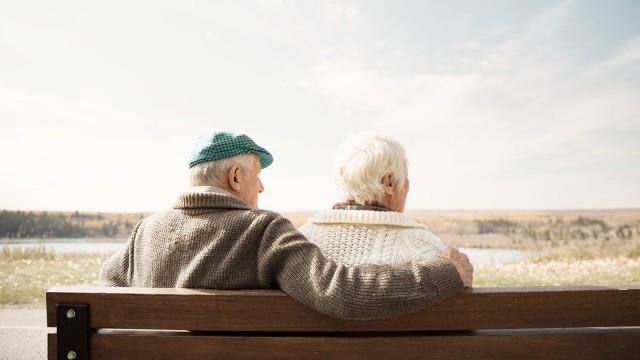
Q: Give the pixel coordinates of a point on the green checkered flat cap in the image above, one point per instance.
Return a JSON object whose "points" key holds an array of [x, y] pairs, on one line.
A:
{"points": [[222, 145]]}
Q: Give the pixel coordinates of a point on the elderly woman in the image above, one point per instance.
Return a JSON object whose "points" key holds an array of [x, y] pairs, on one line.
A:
{"points": [[368, 226]]}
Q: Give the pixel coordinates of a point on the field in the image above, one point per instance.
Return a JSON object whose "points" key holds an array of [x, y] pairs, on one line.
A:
{"points": [[568, 247], [27, 274]]}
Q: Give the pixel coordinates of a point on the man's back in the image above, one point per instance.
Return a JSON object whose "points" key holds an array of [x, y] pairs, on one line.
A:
{"points": [[210, 240]]}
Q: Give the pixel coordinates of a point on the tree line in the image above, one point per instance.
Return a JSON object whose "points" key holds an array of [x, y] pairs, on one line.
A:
{"points": [[30, 224], [558, 228]]}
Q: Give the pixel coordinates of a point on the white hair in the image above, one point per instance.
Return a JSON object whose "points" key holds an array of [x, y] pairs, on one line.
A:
{"points": [[362, 162], [213, 173]]}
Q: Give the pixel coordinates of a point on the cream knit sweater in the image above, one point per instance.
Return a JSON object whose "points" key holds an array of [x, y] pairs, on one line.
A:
{"points": [[217, 241], [361, 237]]}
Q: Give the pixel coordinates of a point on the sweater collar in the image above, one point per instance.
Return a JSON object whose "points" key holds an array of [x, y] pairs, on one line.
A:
{"points": [[364, 217], [210, 200]]}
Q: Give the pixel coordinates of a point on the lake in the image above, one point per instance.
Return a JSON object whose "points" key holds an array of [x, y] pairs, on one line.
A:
{"points": [[62, 246]]}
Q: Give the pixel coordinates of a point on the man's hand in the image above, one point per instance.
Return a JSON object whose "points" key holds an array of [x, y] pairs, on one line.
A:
{"points": [[462, 264]]}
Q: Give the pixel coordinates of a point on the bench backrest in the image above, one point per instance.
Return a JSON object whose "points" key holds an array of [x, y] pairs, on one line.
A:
{"points": [[528, 322]]}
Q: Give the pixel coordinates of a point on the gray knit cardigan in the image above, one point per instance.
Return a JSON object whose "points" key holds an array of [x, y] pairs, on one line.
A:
{"points": [[217, 241]]}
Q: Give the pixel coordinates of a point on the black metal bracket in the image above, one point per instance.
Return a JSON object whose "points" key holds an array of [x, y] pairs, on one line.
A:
{"points": [[73, 332]]}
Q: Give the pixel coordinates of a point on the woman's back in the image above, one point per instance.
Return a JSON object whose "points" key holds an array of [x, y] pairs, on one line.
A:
{"points": [[359, 237]]}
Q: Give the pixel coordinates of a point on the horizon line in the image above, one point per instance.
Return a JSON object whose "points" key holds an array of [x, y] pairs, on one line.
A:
{"points": [[314, 211]]}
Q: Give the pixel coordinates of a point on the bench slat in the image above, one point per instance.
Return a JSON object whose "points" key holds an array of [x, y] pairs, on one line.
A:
{"points": [[272, 310], [582, 345]]}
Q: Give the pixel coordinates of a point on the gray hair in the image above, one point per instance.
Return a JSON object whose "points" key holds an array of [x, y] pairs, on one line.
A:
{"points": [[213, 173], [363, 161]]}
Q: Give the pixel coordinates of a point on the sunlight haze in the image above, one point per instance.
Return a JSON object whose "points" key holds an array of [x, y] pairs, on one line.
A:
{"points": [[500, 104]]}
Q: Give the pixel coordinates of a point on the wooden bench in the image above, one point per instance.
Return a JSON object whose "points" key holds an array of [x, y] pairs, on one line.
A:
{"points": [[574, 322]]}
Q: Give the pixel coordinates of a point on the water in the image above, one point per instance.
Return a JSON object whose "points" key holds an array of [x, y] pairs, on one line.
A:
{"points": [[493, 256], [62, 246], [65, 246]]}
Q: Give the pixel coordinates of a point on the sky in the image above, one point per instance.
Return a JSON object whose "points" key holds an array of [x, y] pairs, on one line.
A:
{"points": [[500, 104]]}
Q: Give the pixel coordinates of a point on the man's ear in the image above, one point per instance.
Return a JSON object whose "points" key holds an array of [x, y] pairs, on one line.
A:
{"points": [[234, 178], [387, 183]]}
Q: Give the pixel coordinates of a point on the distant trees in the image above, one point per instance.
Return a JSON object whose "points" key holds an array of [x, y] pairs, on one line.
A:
{"points": [[496, 226], [18, 224], [624, 232], [557, 228], [21, 224]]}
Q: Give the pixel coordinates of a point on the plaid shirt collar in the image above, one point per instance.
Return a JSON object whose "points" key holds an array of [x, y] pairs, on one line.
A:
{"points": [[352, 205]]}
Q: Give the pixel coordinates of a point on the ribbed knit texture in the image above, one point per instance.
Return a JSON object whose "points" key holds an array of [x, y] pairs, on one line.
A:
{"points": [[362, 237], [217, 241]]}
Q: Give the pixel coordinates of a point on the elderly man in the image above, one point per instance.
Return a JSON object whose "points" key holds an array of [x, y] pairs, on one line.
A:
{"points": [[215, 237]]}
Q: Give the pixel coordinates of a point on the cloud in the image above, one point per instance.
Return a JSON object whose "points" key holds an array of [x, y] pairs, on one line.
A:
{"points": [[277, 3], [490, 105], [332, 10], [627, 55], [339, 10], [488, 116]]}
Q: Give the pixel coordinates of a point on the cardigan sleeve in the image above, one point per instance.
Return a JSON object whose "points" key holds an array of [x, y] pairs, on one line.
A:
{"points": [[118, 270], [288, 260]]}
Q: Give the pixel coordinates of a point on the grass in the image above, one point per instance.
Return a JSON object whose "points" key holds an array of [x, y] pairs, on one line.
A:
{"points": [[592, 262], [620, 270], [27, 274], [589, 249]]}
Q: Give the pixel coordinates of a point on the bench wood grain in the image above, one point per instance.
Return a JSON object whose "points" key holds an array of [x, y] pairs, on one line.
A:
{"points": [[525, 322]]}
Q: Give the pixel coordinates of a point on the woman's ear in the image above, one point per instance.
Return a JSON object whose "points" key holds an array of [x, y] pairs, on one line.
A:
{"points": [[233, 178], [387, 183]]}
